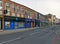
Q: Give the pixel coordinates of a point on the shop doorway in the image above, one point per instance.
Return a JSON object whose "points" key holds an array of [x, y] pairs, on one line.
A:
{"points": [[33, 24]]}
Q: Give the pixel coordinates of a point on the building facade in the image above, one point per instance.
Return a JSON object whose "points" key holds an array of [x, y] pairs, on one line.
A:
{"points": [[16, 16], [56, 21]]}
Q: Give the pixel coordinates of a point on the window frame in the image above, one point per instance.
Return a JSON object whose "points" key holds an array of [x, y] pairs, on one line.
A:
{"points": [[7, 8], [22, 12], [13, 8]]}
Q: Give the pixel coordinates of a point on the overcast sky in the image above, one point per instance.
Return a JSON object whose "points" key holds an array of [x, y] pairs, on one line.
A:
{"points": [[43, 6]]}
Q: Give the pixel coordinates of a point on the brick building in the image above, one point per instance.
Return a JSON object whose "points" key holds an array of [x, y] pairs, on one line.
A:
{"points": [[16, 16]]}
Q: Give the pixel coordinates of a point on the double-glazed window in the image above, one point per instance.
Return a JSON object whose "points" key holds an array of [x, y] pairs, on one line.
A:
{"points": [[8, 5], [0, 7], [38, 16], [8, 8], [13, 8], [0, 4], [27, 14], [30, 15], [22, 12], [18, 11]]}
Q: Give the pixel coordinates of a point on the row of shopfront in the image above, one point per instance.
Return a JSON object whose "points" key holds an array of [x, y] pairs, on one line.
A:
{"points": [[11, 22]]}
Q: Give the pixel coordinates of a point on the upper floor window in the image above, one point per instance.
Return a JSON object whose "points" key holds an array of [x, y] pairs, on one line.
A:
{"points": [[18, 9], [38, 16], [22, 11], [13, 8], [30, 15], [0, 7], [0, 4], [8, 6], [27, 14]]}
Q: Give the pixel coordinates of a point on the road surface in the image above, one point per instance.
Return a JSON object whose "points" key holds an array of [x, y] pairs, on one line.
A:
{"points": [[36, 36]]}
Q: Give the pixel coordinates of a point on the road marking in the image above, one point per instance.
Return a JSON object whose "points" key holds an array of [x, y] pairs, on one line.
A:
{"points": [[34, 33], [11, 40]]}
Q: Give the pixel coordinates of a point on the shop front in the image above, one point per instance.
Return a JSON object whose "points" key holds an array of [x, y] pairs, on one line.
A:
{"points": [[44, 23], [37, 23], [33, 23], [29, 23], [13, 23]]}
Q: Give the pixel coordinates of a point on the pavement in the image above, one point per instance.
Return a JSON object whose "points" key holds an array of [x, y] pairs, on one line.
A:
{"points": [[19, 30], [15, 31]]}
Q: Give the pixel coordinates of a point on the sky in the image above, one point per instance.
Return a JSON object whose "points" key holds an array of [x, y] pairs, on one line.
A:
{"points": [[42, 6]]}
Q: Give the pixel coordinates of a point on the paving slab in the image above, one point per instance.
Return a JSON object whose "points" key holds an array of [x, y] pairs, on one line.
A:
{"points": [[14, 31]]}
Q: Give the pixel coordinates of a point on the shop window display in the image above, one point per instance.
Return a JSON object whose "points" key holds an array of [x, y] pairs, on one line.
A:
{"points": [[7, 24]]}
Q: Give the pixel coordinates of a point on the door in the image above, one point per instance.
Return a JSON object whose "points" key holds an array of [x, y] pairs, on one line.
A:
{"points": [[33, 24]]}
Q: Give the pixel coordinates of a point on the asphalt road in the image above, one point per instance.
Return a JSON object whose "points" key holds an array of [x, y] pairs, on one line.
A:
{"points": [[36, 36]]}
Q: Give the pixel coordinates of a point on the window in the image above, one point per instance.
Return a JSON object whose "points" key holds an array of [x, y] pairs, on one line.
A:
{"points": [[0, 4], [8, 8], [39, 16], [30, 15], [7, 24], [16, 25], [22, 12], [21, 24], [18, 11], [13, 8], [27, 14], [0, 7]]}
